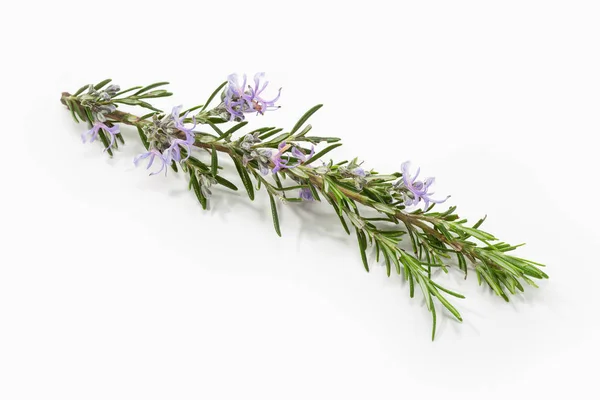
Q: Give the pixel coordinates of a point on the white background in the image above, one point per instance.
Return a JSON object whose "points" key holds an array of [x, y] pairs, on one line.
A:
{"points": [[116, 285]]}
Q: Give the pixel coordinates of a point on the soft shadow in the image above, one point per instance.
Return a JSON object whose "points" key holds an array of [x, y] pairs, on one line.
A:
{"points": [[316, 220], [224, 201]]}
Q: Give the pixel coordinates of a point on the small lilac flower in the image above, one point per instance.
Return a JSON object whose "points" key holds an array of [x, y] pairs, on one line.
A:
{"points": [[418, 189], [234, 97], [259, 104], [234, 89], [179, 124], [173, 152], [301, 156], [359, 172], [238, 100], [306, 194], [356, 173], [92, 134], [281, 163], [152, 154], [264, 170]]}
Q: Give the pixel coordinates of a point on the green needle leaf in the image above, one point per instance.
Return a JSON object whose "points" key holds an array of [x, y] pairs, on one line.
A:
{"points": [[81, 89], [143, 138], [102, 84], [122, 92], [322, 153], [446, 304], [234, 128], [150, 87], [212, 96], [269, 132], [105, 141], [197, 190], [244, 177], [450, 292], [433, 328], [411, 282], [274, 214], [305, 118], [71, 106], [388, 265], [214, 164], [362, 245], [218, 130], [425, 289], [222, 181], [341, 217]]}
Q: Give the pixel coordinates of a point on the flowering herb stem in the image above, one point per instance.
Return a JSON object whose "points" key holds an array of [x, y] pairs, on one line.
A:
{"points": [[383, 209]]}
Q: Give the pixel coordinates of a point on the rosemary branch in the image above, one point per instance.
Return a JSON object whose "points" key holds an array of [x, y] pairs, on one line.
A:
{"points": [[438, 239]]}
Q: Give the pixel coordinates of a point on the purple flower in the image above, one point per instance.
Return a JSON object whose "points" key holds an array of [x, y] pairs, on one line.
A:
{"points": [[173, 153], [239, 101], [92, 134], [259, 104], [179, 124], [152, 154], [301, 156], [234, 98], [359, 172], [306, 194], [418, 189], [282, 163]]}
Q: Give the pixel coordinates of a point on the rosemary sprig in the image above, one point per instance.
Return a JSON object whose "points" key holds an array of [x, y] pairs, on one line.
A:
{"points": [[376, 206]]}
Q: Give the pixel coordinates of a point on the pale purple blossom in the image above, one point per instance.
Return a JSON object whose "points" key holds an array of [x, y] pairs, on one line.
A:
{"points": [[165, 140], [239, 99], [92, 134], [359, 172], [301, 156], [261, 105], [282, 163], [279, 161], [234, 97], [306, 195], [152, 154], [417, 190], [179, 124], [173, 152], [356, 173]]}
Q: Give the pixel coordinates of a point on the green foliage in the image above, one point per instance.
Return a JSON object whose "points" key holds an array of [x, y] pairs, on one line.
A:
{"points": [[150, 87], [323, 152], [244, 176], [305, 118], [213, 95], [196, 186], [214, 162], [275, 215]]}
